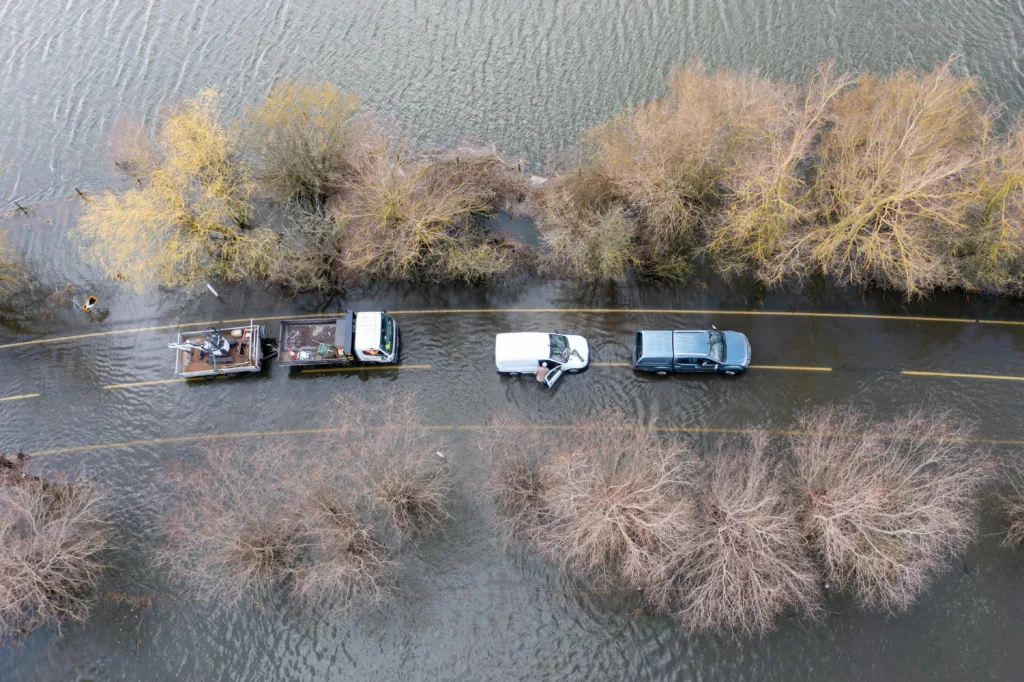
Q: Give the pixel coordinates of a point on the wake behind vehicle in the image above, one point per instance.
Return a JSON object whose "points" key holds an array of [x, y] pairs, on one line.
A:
{"points": [[212, 351], [367, 338], [523, 352], [707, 350]]}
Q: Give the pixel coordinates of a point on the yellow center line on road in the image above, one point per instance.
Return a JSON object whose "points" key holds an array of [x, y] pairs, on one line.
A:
{"points": [[482, 311], [20, 397], [206, 437], [955, 375], [792, 368], [156, 382], [362, 368]]}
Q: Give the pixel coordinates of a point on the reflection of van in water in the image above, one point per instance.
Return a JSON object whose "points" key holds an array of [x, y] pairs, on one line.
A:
{"points": [[523, 352], [368, 338]]}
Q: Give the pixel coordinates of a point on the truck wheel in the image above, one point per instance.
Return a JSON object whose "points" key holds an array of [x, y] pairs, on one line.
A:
{"points": [[513, 374], [574, 371], [661, 374], [730, 373]]}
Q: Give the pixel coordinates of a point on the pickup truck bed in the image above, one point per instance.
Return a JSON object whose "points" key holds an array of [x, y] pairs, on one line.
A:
{"points": [[318, 341]]}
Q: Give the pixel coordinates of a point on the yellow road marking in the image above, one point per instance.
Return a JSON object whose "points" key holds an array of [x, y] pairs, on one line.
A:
{"points": [[20, 397], [196, 438], [955, 375], [361, 368], [480, 311], [176, 380], [793, 368]]}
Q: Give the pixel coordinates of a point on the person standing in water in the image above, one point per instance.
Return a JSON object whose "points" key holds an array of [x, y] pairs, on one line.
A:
{"points": [[541, 372]]}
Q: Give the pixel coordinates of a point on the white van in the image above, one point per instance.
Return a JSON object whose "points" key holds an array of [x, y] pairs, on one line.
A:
{"points": [[524, 352]]}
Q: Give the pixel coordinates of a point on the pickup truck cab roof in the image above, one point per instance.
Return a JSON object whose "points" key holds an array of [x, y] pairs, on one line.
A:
{"points": [[691, 350]]}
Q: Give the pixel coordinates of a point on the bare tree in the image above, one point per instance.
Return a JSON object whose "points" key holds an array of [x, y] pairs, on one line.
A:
{"points": [[890, 181], [885, 504], [745, 562], [233, 523], [611, 501], [53, 535], [1011, 504]]}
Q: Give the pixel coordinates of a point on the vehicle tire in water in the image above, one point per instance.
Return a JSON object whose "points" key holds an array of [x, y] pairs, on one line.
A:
{"points": [[730, 373], [661, 374], [512, 374], [574, 371]]}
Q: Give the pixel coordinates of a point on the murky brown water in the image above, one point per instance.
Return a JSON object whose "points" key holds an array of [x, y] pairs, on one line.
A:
{"points": [[528, 75]]}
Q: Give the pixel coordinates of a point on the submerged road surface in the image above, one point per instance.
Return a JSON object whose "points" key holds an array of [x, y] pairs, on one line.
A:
{"points": [[106, 403]]}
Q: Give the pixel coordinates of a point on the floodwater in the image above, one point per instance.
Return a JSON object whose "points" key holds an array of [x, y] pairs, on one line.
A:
{"points": [[529, 75]]}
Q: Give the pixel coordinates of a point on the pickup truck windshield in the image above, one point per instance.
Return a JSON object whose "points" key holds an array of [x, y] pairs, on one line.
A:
{"points": [[387, 333], [559, 348], [717, 341]]}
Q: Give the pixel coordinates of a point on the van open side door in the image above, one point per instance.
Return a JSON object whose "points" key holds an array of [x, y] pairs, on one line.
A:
{"points": [[554, 375]]}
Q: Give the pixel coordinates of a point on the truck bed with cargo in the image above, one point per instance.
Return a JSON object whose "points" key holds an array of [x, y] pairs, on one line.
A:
{"points": [[357, 338]]}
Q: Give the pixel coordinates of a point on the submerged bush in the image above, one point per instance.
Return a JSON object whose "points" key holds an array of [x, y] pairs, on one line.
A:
{"points": [[53, 535], [745, 563], [422, 220], [12, 273], [304, 139], [1011, 504], [323, 525], [885, 504]]}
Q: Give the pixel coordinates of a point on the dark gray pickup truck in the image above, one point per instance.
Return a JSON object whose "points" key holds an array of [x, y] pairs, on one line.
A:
{"points": [[709, 350]]}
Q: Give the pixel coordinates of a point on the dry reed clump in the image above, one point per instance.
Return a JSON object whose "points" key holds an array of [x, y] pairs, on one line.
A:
{"points": [[12, 273], [304, 139], [1011, 504], [52, 539], [422, 220], [884, 504], [890, 184], [602, 502], [745, 562]]}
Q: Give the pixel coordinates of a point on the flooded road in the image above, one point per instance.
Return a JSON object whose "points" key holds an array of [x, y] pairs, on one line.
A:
{"points": [[467, 609], [528, 75]]}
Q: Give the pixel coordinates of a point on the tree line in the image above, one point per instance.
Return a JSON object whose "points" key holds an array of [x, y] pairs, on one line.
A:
{"points": [[722, 536], [909, 181]]}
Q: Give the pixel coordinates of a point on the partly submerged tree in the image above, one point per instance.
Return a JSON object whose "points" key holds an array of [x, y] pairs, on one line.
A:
{"points": [[53, 535], [304, 139], [885, 504], [187, 220], [890, 181]]}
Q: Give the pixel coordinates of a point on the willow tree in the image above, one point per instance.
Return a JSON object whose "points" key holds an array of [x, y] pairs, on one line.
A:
{"points": [[186, 221], [890, 181], [768, 194], [303, 138], [991, 250]]}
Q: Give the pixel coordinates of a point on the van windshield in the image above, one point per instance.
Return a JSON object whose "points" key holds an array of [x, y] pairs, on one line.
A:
{"points": [[717, 341], [387, 333], [559, 348]]}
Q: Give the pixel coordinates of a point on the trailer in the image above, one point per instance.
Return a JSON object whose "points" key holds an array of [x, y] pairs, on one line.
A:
{"points": [[212, 351], [357, 338]]}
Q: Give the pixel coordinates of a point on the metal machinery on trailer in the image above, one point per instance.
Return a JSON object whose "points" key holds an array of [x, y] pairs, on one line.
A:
{"points": [[212, 351]]}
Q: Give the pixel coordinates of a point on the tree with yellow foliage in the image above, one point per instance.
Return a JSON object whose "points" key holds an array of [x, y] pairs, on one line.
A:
{"points": [[186, 222], [303, 138]]}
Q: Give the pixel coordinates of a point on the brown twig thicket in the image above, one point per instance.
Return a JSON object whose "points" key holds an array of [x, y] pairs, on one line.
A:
{"points": [[884, 509], [718, 545], [422, 219], [745, 562], [53, 535], [12, 273], [250, 522], [304, 139], [1011, 503]]}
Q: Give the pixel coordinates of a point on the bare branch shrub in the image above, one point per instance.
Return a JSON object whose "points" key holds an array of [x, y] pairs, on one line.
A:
{"points": [[234, 525], [52, 539], [890, 181], [308, 248], [12, 273], [884, 504], [768, 196], [421, 220], [304, 138], [990, 253], [395, 463], [745, 562], [603, 502], [1011, 504]]}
